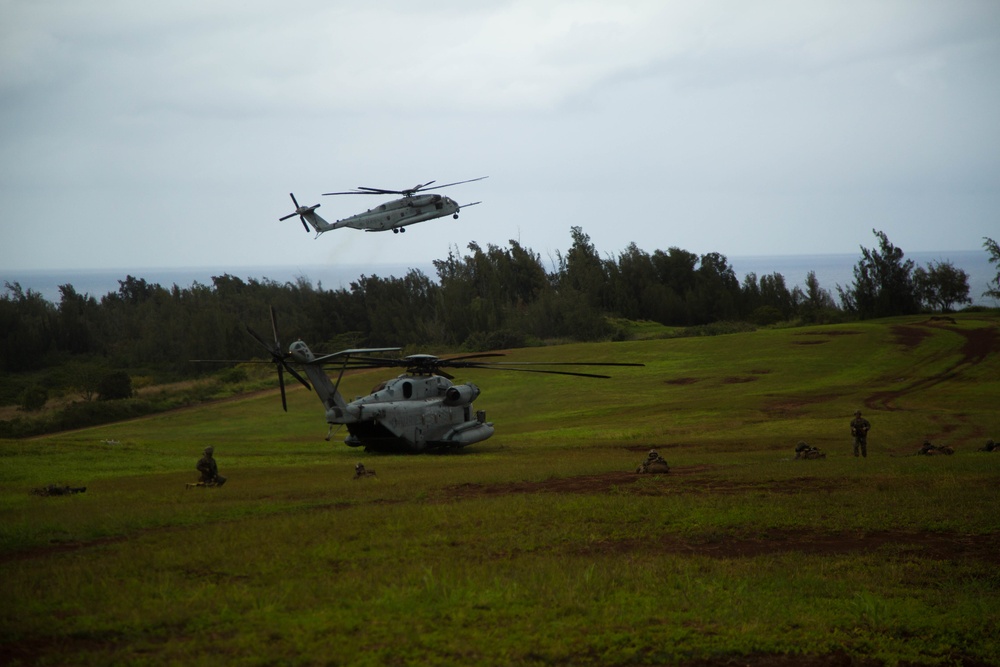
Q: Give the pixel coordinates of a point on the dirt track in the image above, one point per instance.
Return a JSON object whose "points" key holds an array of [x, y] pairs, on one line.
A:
{"points": [[945, 546], [978, 344]]}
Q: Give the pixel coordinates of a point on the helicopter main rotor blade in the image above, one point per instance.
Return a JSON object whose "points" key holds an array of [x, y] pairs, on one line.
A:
{"points": [[367, 191], [364, 190], [539, 370], [448, 185]]}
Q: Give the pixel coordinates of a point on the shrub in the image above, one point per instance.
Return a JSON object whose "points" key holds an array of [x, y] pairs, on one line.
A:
{"points": [[116, 385], [34, 398]]}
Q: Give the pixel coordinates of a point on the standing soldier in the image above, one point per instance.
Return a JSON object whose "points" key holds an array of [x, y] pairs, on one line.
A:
{"points": [[859, 429]]}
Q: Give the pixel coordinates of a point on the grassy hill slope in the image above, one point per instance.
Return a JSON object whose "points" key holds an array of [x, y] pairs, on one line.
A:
{"points": [[541, 545]]}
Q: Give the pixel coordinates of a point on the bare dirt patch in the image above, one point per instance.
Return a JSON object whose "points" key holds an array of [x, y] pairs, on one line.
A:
{"points": [[680, 479], [979, 343], [828, 333], [933, 545], [785, 406], [945, 546], [909, 336]]}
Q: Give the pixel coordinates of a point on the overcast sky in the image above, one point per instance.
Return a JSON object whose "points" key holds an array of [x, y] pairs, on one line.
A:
{"points": [[140, 134]]}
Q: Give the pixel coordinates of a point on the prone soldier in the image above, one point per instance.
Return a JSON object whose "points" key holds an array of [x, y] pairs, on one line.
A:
{"points": [[654, 463], [58, 490], [803, 450], [933, 450]]}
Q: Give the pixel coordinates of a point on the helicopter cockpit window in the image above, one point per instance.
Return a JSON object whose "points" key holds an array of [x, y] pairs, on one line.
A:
{"points": [[407, 389], [382, 207]]}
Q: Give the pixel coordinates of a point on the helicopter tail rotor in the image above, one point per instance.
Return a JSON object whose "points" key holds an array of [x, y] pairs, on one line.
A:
{"points": [[279, 358], [300, 211]]}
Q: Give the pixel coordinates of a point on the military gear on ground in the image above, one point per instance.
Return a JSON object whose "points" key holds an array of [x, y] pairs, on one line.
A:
{"points": [[58, 490]]}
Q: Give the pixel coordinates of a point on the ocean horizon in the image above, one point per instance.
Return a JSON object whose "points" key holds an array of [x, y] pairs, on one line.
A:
{"points": [[831, 270]]}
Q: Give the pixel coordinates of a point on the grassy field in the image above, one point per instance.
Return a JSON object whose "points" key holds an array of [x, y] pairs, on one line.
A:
{"points": [[542, 546]]}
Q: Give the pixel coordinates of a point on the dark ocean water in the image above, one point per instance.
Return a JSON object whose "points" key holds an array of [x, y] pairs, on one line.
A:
{"points": [[831, 270]]}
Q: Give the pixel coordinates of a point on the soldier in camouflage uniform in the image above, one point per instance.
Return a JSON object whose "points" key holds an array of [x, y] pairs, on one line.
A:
{"points": [[654, 463], [209, 469], [990, 446], [859, 429], [933, 450], [361, 471], [806, 451]]}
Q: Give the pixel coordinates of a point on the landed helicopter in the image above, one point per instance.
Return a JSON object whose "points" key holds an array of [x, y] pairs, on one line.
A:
{"points": [[396, 215], [418, 411]]}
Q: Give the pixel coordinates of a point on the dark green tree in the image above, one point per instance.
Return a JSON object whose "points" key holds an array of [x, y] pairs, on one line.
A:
{"points": [[883, 283], [717, 290], [993, 249], [27, 329], [940, 285], [582, 270], [817, 305]]}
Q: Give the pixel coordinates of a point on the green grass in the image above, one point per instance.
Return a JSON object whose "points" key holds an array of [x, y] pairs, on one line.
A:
{"points": [[539, 547]]}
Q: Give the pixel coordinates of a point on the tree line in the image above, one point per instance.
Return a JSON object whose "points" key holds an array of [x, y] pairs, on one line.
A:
{"points": [[487, 298]]}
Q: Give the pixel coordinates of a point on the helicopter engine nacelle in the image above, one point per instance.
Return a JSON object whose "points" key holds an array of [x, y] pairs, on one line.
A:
{"points": [[461, 395]]}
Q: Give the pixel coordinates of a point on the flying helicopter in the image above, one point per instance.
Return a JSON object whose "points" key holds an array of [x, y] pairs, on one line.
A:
{"points": [[418, 411], [396, 215]]}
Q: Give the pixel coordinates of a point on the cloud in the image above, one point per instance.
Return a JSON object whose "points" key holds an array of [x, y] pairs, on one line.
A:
{"points": [[171, 134]]}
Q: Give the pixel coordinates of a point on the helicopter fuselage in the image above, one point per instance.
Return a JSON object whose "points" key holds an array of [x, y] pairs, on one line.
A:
{"points": [[399, 213], [412, 413]]}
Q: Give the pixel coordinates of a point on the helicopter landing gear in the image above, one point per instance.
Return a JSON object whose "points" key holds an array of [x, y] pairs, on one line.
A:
{"points": [[397, 230], [455, 216]]}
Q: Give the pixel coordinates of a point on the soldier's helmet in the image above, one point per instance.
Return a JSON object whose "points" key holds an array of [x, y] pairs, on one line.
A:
{"points": [[209, 449], [359, 466], [857, 413], [653, 454]]}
